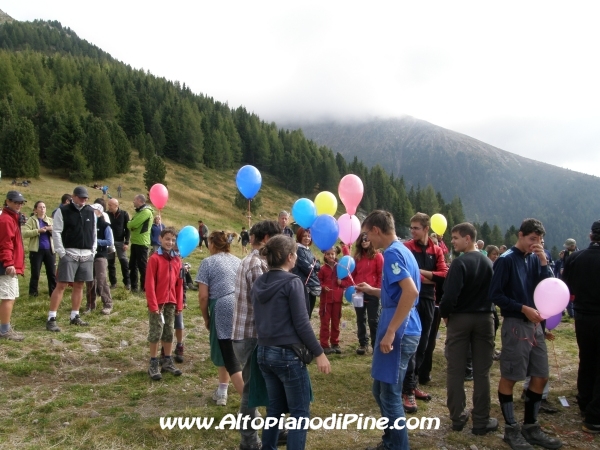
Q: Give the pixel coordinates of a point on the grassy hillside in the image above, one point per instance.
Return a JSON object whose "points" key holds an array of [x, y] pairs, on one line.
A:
{"points": [[67, 390]]}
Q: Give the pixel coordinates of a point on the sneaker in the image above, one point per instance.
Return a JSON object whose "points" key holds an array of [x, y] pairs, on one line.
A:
{"points": [[168, 366], [547, 408], [328, 350], [12, 335], [535, 436], [154, 371], [336, 349], [514, 438], [490, 427], [420, 395], [87, 311], [469, 376], [282, 439], [106, 311], [496, 356], [178, 353], [127, 287], [220, 399], [464, 419], [590, 428], [77, 321], [409, 403], [361, 350], [51, 325]]}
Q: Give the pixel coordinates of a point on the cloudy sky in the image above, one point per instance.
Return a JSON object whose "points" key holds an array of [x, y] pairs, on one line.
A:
{"points": [[523, 76]]}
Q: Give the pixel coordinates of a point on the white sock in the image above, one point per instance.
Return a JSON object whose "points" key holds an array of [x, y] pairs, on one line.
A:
{"points": [[51, 314], [74, 314], [222, 389]]}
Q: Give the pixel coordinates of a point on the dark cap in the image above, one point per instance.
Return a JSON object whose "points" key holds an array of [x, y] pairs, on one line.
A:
{"points": [[15, 196], [200, 221], [81, 192], [596, 227]]}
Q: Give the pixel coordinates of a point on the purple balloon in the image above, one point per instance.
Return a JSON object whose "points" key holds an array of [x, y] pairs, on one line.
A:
{"points": [[552, 322]]}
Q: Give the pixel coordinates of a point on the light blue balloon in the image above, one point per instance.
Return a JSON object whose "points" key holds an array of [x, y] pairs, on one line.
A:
{"points": [[187, 240], [324, 231], [304, 212], [345, 266], [248, 181], [349, 293]]}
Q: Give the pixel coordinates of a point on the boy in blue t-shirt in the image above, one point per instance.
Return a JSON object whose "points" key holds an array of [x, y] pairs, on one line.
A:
{"points": [[399, 326]]}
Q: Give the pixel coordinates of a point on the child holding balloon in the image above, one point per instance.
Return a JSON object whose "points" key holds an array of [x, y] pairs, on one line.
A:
{"points": [[330, 309]]}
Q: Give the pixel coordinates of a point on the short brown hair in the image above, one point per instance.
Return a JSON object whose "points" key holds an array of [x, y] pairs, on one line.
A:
{"points": [[299, 233], [220, 241], [422, 218], [382, 220], [529, 226], [168, 230], [465, 229]]}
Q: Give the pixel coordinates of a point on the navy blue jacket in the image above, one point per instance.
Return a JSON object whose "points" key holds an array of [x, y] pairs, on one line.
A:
{"points": [[516, 275]]}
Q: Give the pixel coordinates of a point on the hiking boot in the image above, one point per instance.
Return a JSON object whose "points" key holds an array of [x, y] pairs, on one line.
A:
{"points": [[77, 321], [168, 366], [463, 420], [590, 428], [328, 350], [336, 349], [178, 353], [87, 311], [490, 427], [361, 350], [409, 403], [106, 311], [220, 399], [547, 408], [420, 395], [282, 439], [153, 370], [535, 436], [12, 335], [51, 325], [514, 438]]}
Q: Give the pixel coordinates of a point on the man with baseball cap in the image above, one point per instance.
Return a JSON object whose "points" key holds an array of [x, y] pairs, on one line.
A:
{"points": [[581, 276], [74, 235], [12, 261]]}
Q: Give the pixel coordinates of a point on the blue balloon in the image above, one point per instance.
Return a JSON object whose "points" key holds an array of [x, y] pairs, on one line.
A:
{"points": [[349, 293], [324, 231], [248, 181], [304, 212], [345, 266], [187, 240]]}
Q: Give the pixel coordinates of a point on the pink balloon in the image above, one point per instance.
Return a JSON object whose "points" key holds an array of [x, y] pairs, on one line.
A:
{"points": [[552, 322], [351, 191], [349, 228], [551, 297], [159, 195]]}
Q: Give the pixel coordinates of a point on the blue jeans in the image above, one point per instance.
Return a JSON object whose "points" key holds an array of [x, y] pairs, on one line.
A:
{"points": [[288, 387], [389, 398]]}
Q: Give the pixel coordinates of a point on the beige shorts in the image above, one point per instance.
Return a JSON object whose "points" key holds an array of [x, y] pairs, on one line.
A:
{"points": [[9, 287]]}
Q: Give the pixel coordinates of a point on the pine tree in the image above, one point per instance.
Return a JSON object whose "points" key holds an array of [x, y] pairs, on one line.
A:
{"points": [[80, 171], [241, 202], [99, 149], [122, 147], [19, 155], [156, 171], [496, 236]]}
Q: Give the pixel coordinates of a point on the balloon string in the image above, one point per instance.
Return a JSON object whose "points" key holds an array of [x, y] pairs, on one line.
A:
{"points": [[556, 359], [249, 216]]}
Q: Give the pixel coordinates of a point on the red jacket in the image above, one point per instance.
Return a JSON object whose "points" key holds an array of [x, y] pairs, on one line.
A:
{"points": [[369, 270], [11, 242], [163, 281], [328, 278], [432, 261]]}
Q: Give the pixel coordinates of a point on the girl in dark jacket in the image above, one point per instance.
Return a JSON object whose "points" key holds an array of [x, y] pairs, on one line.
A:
{"points": [[307, 268]]}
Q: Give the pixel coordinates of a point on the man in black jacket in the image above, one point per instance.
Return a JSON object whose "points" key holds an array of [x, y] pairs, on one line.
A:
{"points": [[467, 312], [581, 275], [118, 224]]}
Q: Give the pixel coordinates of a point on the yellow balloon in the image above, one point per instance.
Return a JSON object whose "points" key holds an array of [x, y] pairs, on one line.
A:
{"points": [[438, 223], [326, 203]]}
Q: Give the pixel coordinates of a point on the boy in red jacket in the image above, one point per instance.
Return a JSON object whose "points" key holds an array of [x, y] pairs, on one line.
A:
{"points": [[164, 294], [330, 309]]}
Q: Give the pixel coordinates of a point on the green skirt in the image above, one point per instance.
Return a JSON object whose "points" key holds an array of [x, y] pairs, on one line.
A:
{"points": [[215, 351]]}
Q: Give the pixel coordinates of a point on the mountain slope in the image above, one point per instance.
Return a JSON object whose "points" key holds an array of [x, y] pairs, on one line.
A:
{"points": [[494, 185]]}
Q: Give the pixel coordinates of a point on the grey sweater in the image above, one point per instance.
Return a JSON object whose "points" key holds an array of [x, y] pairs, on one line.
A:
{"points": [[280, 311]]}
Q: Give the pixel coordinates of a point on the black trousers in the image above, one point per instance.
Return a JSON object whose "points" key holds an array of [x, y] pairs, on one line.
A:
{"points": [[588, 376], [123, 261], [138, 260], [426, 309], [427, 364], [36, 259], [370, 309]]}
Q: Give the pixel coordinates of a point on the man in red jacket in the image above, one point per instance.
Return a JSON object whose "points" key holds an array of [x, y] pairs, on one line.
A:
{"points": [[12, 259], [433, 268]]}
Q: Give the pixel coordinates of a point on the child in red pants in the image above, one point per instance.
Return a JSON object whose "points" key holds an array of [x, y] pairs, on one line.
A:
{"points": [[330, 309]]}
